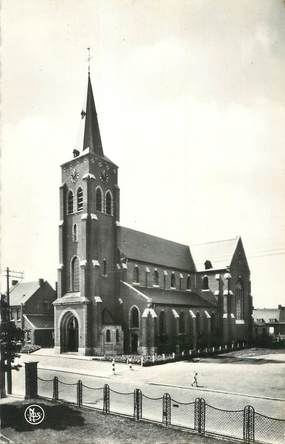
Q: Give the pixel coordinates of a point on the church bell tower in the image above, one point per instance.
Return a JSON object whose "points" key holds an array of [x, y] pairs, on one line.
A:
{"points": [[89, 213]]}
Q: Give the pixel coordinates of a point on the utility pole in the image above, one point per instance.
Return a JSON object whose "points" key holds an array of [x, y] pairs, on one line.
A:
{"points": [[19, 275]]}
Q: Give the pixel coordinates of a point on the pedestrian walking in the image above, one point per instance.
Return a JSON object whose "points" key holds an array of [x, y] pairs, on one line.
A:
{"points": [[113, 366], [195, 380], [130, 364]]}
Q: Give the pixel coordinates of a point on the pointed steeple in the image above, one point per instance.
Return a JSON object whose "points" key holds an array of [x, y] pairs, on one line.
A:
{"points": [[92, 137]]}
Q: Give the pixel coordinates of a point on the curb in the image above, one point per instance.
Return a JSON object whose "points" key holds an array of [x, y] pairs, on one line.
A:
{"points": [[65, 370], [217, 391]]}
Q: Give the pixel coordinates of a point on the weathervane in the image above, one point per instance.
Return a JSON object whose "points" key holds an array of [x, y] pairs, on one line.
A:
{"points": [[89, 58]]}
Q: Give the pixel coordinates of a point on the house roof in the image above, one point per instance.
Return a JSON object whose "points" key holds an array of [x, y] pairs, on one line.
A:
{"points": [[40, 321], [219, 253], [266, 314], [22, 292], [146, 248]]}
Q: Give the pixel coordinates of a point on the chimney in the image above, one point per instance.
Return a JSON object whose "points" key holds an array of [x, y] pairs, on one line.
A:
{"points": [[41, 282]]}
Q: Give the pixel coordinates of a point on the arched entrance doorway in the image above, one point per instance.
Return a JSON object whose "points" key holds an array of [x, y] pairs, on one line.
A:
{"points": [[134, 343], [69, 334]]}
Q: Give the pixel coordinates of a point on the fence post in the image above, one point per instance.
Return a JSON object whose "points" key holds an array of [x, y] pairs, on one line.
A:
{"points": [[166, 409], [31, 380], [137, 404], [79, 393], [248, 424], [200, 415], [106, 397], [55, 389]]}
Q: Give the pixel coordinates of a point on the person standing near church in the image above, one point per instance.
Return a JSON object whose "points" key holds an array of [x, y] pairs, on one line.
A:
{"points": [[195, 380], [113, 366]]}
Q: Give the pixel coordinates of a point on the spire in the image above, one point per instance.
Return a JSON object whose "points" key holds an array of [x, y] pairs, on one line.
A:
{"points": [[92, 137]]}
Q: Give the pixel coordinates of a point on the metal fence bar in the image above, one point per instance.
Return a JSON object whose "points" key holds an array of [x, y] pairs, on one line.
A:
{"points": [[137, 404], [106, 396], [200, 415], [166, 409], [79, 393], [249, 424], [55, 389]]}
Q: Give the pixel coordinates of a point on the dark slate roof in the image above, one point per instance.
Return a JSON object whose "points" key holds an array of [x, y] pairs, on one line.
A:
{"points": [[266, 314], [150, 249], [220, 253], [169, 297], [40, 321], [22, 292]]}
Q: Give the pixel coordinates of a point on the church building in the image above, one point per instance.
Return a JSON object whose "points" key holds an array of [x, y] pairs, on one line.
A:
{"points": [[125, 291]]}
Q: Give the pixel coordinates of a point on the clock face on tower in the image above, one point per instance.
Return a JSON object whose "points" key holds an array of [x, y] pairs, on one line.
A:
{"points": [[104, 175], [74, 175]]}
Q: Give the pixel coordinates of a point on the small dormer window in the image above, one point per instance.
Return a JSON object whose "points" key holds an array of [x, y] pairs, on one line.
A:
{"points": [[208, 265]]}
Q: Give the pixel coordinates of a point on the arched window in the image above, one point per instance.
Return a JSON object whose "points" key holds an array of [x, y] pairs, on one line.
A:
{"points": [[161, 322], [198, 323], [70, 202], [239, 294], [213, 323], [108, 336], [173, 280], [181, 322], [156, 277], [98, 199], [136, 274], [205, 283], [134, 318], [75, 274], [108, 203], [117, 336], [79, 199], [104, 267], [75, 238], [188, 285]]}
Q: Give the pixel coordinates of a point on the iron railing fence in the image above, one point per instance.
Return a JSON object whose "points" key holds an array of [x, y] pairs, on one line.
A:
{"points": [[246, 425]]}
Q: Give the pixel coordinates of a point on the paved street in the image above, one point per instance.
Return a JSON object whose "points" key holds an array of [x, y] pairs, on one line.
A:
{"points": [[244, 383]]}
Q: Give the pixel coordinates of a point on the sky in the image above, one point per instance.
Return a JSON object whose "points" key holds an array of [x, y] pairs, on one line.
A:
{"points": [[190, 97]]}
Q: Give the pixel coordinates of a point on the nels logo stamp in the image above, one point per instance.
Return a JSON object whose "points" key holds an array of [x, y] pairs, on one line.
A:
{"points": [[34, 414]]}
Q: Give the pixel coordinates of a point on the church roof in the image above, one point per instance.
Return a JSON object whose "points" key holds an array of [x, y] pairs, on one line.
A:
{"points": [[175, 297], [219, 253], [92, 137], [146, 248], [22, 292]]}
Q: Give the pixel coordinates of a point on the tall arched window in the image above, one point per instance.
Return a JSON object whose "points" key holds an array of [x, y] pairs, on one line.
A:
{"points": [[213, 323], [108, 336], [188, 285], [99, 199], [134, 318], [198, 323], [108, 203], [205, 283], [75, 274], [104, 267], [70, 202], [75, 237], [156, 277], [136, 274], [161, 322], [181, 322], [239, 294], [173, 280], [79, 199], [117, 336]]}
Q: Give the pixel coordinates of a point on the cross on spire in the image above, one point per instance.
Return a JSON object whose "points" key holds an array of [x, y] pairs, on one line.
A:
{"points": [[88, 59]]}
